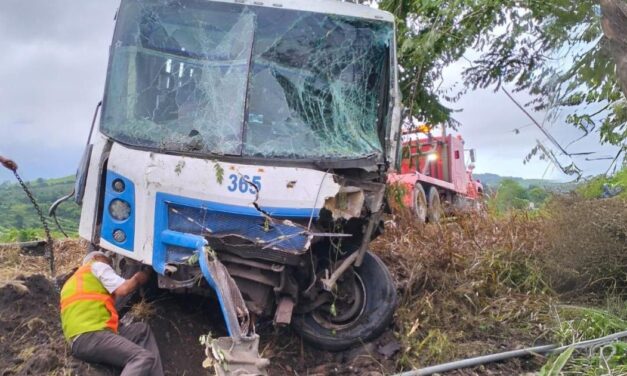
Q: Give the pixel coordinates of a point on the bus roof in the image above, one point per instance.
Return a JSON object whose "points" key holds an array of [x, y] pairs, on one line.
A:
{"points": [[321, 6]]}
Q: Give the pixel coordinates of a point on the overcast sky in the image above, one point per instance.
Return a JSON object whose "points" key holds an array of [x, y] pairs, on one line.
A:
{"points": [[54, 60]]}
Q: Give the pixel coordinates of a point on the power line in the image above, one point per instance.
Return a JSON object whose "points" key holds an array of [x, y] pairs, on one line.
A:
{"points": [[544, 131]]}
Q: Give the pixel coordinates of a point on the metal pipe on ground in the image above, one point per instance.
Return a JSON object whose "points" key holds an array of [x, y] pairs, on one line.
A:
{"points": [[546, 349]]}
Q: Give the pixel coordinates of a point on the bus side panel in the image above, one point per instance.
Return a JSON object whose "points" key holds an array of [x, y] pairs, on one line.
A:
{"points": [[92, 192]]}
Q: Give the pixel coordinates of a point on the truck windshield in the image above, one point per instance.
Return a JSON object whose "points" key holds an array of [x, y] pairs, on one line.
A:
{"points": [[219, 78]]}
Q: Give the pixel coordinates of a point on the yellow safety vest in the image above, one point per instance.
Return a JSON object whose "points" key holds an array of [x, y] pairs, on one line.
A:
{"points": [[86, 306]]}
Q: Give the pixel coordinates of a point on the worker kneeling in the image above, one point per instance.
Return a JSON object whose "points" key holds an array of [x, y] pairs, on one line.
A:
{"points": [[90, 320]]}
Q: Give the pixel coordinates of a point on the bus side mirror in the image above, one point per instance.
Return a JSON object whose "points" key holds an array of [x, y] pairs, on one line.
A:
{"points": [[473, 158]]}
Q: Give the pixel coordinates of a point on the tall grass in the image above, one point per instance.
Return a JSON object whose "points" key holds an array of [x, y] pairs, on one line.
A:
{"points": [[483, 284], [465, 286]]}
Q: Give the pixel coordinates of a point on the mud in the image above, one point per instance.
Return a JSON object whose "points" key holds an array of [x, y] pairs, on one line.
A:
{"points": [[31, 340]]}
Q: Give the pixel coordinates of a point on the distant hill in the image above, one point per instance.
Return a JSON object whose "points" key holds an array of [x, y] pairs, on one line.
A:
{"points": [[18, 218], [492, 181]]}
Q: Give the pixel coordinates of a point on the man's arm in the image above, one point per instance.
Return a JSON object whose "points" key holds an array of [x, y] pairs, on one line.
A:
{"points": [[8, 163], [131, 284]]}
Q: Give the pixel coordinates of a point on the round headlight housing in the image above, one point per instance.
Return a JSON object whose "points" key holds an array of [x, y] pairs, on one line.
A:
{"points": [[118, 185], [120, 209], [119, 236]]}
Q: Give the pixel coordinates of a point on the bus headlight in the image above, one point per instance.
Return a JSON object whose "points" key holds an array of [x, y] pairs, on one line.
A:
{"points": [[118, 185], [119, 236], [119, 209]]}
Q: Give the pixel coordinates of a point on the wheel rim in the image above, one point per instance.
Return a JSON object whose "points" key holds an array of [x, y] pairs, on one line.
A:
{"points": [[350, 304], [420, 206], [436, 209]]}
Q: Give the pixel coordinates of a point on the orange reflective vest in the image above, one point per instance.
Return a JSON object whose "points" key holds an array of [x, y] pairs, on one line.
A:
{"points": [[86, 306]]}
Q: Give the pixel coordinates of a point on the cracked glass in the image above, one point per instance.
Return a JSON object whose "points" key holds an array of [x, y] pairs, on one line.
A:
{"points": [[219, 78]]}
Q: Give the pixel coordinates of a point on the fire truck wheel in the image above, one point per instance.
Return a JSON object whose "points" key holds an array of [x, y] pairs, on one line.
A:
{"points": [[435, 212], [363, 309], [420, 203]]}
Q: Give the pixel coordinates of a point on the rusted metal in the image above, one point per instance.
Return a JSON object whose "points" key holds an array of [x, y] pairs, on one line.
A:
{"points": [[257, 275], [329, 283], [283, 314], [372, 223]]}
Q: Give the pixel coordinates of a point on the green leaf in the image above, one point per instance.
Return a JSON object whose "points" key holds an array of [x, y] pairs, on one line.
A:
{"points": [[219, 170], [555, 367]]}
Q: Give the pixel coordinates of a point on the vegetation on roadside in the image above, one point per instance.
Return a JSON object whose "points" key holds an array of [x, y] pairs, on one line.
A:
{"points": [[480, 285], [575, 324], [510, 195], [466, 287], [594, 187], [507, 194]]}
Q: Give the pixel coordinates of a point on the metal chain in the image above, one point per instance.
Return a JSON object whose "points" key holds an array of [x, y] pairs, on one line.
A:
{"points": [[49, 253]]}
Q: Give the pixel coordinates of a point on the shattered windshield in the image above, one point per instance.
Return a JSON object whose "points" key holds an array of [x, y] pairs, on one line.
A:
{"points": [[210, 77]]}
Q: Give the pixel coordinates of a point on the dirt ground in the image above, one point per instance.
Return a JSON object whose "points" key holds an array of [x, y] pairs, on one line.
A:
{"points": [[31, 341]]}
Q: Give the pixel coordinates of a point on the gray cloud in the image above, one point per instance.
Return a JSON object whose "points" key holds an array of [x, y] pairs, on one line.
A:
{"points": [[54, 59]]}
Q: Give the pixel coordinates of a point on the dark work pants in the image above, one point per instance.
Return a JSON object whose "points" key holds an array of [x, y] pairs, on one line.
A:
{"points": [[133, 349]]}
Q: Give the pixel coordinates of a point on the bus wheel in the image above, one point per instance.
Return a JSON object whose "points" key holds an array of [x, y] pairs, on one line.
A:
{"points": [[420, 203], [435, 212], [364, 302]]}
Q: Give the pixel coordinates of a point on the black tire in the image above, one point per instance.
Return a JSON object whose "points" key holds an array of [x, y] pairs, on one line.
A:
{"points": [[375, 316], [420, 203], [435, 212]]}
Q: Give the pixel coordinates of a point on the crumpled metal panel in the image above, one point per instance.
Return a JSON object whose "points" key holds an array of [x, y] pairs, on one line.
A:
{"points": [[258, 230]]}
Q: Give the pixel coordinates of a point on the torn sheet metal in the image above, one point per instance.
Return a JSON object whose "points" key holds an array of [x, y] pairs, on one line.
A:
{"points": [[242, 234], [238, 354], [347, 204], [233, 306]]}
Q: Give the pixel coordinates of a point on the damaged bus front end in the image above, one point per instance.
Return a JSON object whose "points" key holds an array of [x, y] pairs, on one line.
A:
{"points": [[243, 151]]}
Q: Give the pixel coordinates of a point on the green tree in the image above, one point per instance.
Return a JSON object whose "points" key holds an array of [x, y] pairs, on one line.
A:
{"points": [[510, 195], [523, 43], [537, 195]]}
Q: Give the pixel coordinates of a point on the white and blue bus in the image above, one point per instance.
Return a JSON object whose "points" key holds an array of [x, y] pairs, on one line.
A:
{"points": [[242, 150]]}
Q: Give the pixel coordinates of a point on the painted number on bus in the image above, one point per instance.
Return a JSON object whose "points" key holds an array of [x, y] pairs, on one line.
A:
{"points": [[240, 183]]}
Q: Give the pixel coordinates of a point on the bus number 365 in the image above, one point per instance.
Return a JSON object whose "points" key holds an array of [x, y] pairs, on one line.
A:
{"points": [[243, 183]]}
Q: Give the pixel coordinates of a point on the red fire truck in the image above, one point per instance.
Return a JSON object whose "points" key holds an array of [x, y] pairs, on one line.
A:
{"points": [[434, 178]]}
